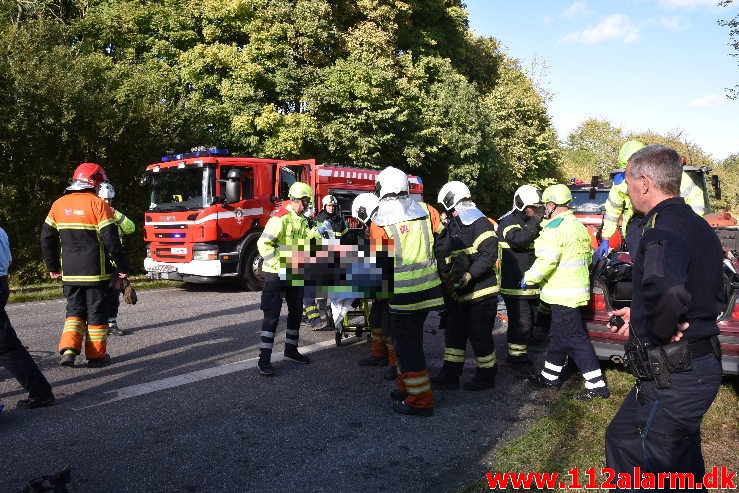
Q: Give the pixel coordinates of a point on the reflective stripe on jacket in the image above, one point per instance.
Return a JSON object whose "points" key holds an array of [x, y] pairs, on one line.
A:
{"points": [[125, 225], [516, 235], [416, 283], [563, 255], [483, 254], [336, 222], [285, 229], [82, 226]]}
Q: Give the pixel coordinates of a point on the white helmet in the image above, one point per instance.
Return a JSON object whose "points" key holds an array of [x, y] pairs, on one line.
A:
{"points": [[106, 191], [452, 193], [364, 205], [391, 180], [526, 195], [328, 200]]}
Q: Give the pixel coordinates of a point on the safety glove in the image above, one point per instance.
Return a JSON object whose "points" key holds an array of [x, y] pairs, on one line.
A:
{"points": [[463, 281], [601, 251]]}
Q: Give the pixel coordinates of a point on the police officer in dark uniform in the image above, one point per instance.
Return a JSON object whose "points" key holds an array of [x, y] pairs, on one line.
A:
{"points": [[673, 344], [13, 355]]}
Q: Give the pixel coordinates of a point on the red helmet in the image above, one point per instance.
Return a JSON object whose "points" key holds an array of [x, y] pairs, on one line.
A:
{"points": [[89, 173]]}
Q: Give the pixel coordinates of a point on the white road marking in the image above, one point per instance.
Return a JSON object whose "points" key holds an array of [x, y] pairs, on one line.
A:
{"points": [[196, 376]]}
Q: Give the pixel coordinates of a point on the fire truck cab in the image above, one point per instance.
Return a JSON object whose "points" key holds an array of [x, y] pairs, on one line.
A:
{"points": [[207, 210]]}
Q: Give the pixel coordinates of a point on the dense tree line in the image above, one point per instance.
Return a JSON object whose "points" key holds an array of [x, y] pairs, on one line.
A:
{"points": [[360, 82], [592, 150]]}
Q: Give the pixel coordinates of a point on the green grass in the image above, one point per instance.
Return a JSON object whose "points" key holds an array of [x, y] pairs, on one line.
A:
{"points": [[53, 291], [572, 434]]}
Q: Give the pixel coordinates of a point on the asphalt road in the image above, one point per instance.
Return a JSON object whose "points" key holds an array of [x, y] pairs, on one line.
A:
{"points": [[182, 407]]}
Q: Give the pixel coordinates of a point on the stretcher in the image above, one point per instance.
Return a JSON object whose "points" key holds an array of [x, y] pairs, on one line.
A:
{"points": [[345, 319]]}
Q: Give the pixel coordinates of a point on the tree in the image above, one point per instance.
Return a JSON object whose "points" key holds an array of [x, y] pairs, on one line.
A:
{"points": [[367, 82], [592, 149], [728, 172], [733, 25]]}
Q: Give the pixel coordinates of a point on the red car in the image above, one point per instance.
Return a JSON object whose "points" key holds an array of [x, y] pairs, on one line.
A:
{"points": [[611, 289]]}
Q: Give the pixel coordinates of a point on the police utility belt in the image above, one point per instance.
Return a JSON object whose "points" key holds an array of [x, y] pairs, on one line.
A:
{"points": [[657, 363]]}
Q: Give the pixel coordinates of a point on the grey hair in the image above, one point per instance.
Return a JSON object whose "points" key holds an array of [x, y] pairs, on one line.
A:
{"points": [[660, 163]]}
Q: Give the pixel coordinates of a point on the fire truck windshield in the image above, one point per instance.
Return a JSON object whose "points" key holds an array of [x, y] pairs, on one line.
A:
{"points": [[182, 189], [582, 203]]}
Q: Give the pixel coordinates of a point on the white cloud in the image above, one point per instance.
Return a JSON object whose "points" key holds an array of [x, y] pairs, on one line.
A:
{"points": [[710, 101], [577, 8], [675, 23], [613, 27]]}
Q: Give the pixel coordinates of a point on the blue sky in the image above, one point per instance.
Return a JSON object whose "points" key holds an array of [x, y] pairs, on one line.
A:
{"points": [[657, 65]]}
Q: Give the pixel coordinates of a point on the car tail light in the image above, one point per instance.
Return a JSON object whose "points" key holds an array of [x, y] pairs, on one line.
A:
{"points": [[597, 300]]}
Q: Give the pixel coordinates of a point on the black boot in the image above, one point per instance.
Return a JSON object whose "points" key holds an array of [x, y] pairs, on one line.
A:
{"points": [[291, 352], [444, 380], [484, 379], [264, 364]]}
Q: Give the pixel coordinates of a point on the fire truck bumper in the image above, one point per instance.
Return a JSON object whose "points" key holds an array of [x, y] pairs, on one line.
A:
{"points": [[193, 271]]}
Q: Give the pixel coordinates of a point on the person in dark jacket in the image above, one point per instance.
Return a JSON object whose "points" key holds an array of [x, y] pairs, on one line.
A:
{"points": [[673, 336], [14, 356], [516, 232], [83, 227], [474, 300], [331, 217]]}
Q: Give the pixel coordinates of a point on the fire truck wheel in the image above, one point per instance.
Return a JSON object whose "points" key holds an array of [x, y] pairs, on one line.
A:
{"points": [[252, 277]]}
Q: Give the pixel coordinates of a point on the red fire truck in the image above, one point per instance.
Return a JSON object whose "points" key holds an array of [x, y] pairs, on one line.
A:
{"points": [[207, 210]]}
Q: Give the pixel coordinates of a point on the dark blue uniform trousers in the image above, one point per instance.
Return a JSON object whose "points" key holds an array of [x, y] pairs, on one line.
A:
{"points": [[272, 294], [15, 358], [658, 430]]}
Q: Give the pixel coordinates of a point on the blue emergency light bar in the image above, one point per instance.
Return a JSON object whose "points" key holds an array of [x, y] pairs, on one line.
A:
{"points": [[215, 151]]}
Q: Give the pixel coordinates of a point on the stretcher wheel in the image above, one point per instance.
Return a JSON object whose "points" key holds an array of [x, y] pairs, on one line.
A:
{"points": [[337, 338]]}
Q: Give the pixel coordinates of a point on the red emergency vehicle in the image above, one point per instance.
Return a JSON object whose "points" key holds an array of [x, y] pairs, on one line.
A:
{"points": [[207, 210]]}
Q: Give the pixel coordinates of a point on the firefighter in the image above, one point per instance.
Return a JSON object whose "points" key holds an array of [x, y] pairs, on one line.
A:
{"points": [[287, 228], [420, 245], [364, 207], [328, 219], [331, 217], [673, 347], [474, 301], [517, 231], [618, 202], [561, 270], [125, 227], [83, 227]]}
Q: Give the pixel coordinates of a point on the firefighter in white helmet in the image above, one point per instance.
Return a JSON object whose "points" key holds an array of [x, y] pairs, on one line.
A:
{"points": [[382, 354], [474, 301], [561, 268], [125, 227], [421, 247], [331, 216], [517, 231]]}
